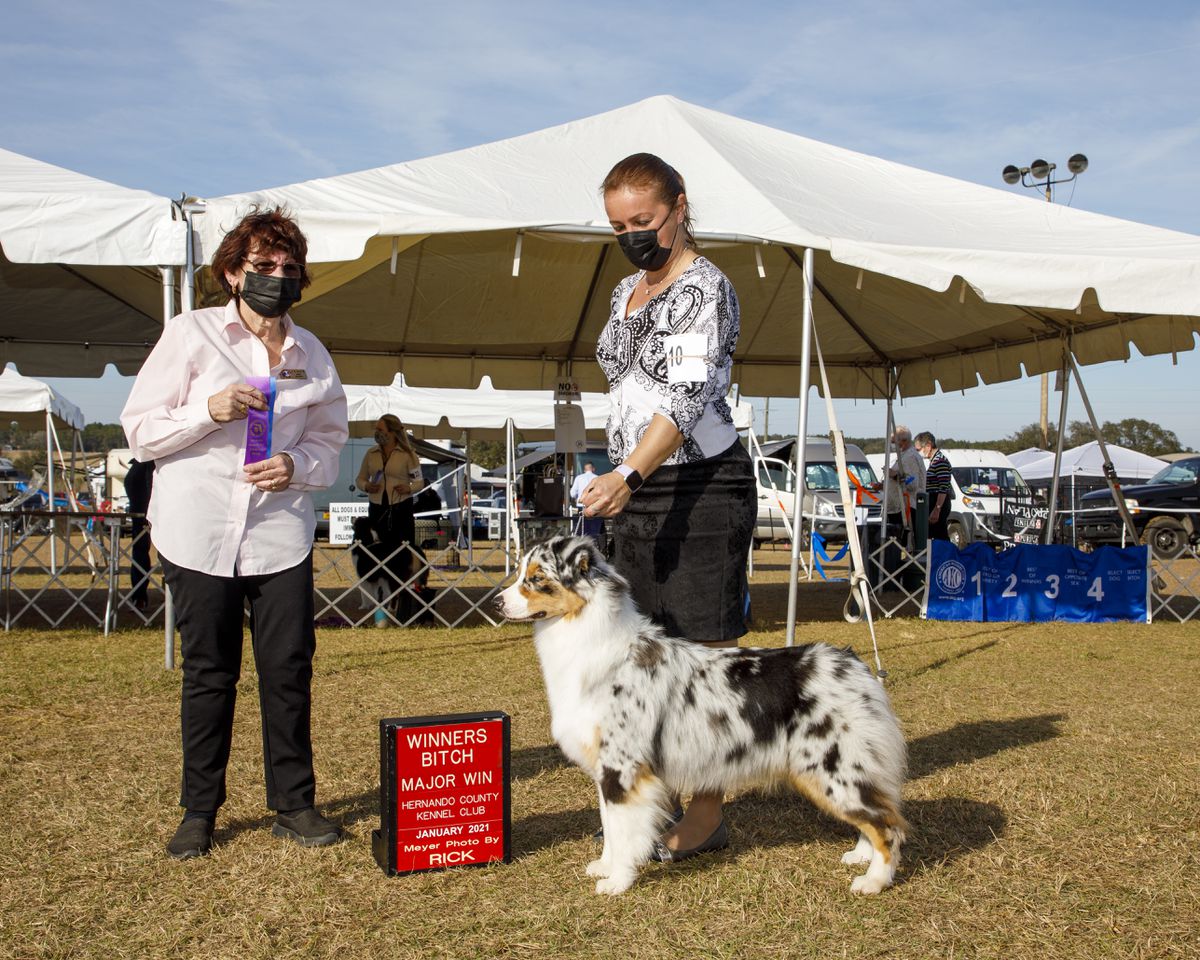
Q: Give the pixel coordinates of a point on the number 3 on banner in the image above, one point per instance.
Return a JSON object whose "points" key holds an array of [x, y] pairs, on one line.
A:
{"points": [[1054, 580], [1096, 591]]}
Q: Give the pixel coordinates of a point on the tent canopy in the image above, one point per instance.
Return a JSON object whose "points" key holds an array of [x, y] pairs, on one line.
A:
{"points": [[949, 282], [1086, 461], [447, 412], [27, 401], [79, 286]]}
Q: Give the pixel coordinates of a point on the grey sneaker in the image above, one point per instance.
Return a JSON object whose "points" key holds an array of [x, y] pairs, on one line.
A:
{"points": [[193, 838], [307, 827]]}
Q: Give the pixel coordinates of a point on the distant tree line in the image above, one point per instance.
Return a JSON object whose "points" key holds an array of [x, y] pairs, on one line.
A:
{"points": [[1131, 433]]}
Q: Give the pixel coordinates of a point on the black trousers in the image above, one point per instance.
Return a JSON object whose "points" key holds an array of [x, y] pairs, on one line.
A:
{"points": [[209, 613]]}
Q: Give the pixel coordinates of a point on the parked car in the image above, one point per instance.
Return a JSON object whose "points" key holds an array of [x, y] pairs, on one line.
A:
{"points": [[822, 497], [1175, 486]]}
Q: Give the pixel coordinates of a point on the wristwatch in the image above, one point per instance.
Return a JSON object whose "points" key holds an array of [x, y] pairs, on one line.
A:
{"points": [[633, 479]]}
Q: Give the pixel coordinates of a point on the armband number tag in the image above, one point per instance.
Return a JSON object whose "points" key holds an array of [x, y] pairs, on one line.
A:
{"points": [[687, 355]]}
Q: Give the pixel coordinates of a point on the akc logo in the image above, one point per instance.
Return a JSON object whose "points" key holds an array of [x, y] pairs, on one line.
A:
{"points": [[951, 576]]}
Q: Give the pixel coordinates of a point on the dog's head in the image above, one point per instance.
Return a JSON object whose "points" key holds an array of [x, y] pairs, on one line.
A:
{"points": [[364, 530], [558, 578]]}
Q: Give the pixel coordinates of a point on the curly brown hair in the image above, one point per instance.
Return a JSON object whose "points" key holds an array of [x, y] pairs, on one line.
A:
{"points": [[267, 231]]}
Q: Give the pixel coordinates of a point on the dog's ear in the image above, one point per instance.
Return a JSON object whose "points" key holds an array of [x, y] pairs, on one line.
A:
{"points": [[580, 560]]}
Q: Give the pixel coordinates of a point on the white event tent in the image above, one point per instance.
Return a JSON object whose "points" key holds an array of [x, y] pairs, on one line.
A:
{"points": [[35, 405], [498, 260], [80, 278], [484, 411], [1087, 460]]}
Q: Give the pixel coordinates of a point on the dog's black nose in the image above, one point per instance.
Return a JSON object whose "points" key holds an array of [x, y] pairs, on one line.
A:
{"points": [[498, 603]]}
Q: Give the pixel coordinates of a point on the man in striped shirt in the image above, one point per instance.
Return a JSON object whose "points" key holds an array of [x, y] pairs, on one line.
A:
{"points": [[937, 485]]}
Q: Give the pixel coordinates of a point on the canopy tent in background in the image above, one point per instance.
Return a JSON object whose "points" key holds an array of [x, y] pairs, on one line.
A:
{"points": [[80, 284], [484, 411], [499, 260], [35, 405], [1029, 455], [1086, 461]]}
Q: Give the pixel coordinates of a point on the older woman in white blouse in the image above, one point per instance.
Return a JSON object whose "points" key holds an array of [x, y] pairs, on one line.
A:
{"points": [[243, 413]]}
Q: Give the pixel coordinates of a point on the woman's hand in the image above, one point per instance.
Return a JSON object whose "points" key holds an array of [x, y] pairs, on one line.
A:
{"points": [[234, 402], [605, 496], [372, 487], [273, 474]]}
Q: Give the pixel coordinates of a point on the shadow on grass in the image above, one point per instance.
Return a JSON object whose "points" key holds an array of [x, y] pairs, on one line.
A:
{"points": [[525, 763], [966, 742], [942, 829]]}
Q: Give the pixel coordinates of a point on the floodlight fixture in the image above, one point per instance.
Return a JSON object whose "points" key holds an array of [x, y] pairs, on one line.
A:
{"points": [[1077, 164], [1011, 174], [1040, 169]]}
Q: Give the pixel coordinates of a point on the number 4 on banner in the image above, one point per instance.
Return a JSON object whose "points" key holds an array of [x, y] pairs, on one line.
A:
{"points": [[1096, 591]]}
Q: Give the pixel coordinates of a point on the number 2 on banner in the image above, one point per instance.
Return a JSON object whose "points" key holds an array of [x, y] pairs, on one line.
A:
{"points": [[1096, 591], [1008, 592]]}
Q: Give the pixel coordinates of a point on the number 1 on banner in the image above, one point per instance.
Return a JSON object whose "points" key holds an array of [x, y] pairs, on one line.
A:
{"points": [[1096, 591], [978, 578]]}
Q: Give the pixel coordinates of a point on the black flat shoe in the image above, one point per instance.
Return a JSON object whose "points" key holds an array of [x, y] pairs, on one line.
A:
{"points": [[676, 816], [719, 840], [193, 838], [307, 827]]}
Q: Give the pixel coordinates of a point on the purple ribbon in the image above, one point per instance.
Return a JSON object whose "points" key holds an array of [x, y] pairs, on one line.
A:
{"points": [[258, 422]]}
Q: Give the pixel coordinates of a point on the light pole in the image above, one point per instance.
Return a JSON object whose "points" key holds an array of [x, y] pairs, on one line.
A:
{"points": [[1040, 173]]}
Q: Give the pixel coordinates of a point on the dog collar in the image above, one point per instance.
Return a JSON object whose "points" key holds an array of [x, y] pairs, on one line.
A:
{"points": [[633, 479]]}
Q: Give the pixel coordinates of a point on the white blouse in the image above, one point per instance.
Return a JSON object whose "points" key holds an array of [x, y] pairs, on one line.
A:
{"points": [[204, 514]]}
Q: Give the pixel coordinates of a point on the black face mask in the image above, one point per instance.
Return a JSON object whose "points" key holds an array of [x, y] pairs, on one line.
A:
{"points": [[270, 296], [642, 249]]}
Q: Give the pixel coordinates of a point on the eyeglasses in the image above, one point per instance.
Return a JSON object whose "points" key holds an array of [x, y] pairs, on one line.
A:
{"points": [[293, 271]]}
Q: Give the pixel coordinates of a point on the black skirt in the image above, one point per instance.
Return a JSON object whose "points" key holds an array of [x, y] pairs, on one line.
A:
{"points": [[682, 543]]}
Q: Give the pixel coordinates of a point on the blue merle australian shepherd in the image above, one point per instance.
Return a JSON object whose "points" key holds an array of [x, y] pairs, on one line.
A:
{"points": [[648, 716]]}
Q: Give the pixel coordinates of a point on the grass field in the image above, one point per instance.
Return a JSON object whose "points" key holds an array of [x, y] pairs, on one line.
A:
{"points": [[1053, 796]]}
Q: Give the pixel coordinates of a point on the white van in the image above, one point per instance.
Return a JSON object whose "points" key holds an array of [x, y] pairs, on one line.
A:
{"points": [[777, 488], [981, 480]]}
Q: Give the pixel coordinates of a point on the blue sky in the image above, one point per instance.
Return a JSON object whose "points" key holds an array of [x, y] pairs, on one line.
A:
{"points": [[226, 96]]}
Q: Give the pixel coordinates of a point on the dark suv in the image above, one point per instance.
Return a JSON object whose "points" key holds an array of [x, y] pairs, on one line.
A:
{"points": [[1176, 487]]}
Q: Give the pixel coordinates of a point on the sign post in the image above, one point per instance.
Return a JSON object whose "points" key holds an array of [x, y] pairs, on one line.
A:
{"points": [[444, 792]]}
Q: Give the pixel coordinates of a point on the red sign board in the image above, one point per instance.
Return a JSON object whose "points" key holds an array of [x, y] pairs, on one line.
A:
{"points": [[444, 792]]}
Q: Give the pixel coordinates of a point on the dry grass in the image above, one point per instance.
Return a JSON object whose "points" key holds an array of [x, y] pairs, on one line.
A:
{"points": [[1053, 798]]}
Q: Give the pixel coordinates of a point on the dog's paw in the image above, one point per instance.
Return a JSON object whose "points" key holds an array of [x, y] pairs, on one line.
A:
{"points": [[598, 868], [861, 853], [616, 884], [868, 884]]}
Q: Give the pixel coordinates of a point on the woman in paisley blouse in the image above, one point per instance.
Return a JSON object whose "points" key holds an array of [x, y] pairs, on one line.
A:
{"points": [[682, 497]]}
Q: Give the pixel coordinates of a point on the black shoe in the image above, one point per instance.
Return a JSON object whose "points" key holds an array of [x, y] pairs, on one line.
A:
{"points": [[307, 827], [192, 839], [719, 840], [676, 816]]}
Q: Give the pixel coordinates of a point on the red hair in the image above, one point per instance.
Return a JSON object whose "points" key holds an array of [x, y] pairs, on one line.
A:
{"points": [[267, 231]]}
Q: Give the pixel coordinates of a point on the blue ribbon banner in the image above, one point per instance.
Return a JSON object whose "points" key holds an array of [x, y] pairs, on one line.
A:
{"points": [[1034, 582]]}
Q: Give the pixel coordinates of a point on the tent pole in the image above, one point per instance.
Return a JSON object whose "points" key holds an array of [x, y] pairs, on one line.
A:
{"points": [[801, 441], [1048, 533], [50, 491], [508, 495], [188, 291], [1110, 473]]}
